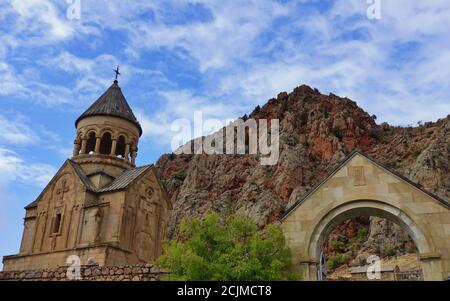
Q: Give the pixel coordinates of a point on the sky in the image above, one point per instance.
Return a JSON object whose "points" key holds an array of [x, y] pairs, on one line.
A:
{"points": [[220, 57]]}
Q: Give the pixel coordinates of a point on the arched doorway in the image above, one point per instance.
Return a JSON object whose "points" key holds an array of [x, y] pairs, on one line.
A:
{"points": [[357, 209], [360, 186]]}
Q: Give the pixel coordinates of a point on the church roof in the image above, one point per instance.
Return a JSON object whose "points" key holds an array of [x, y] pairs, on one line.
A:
{"points": [[111, 103], [86, 181], [125, 179], [121, 182]]}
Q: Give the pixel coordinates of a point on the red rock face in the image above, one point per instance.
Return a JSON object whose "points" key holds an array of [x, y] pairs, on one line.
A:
{"points": [[316, 132]]}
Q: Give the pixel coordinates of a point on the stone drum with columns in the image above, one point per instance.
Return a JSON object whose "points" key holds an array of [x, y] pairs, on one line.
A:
{"points": [[99, 206]]}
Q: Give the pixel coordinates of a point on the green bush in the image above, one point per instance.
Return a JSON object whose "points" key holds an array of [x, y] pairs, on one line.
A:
{"points": [[230, 249], [337, 260], [338, 246], [362, 233], [389, 252], [355, 245], [180, 175]]}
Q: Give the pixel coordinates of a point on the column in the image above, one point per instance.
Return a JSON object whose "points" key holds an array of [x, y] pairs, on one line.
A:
{"points": [[83, 145], [76, 148], [127, 151], [133, 157], [97, 145], [113, 147]]}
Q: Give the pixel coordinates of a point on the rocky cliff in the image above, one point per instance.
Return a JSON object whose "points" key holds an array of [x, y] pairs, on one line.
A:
{"points": [[353, 241], [316, 132]]}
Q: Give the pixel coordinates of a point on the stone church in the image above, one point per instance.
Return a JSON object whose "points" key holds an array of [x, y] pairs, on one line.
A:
{"points": [[99, 205]]}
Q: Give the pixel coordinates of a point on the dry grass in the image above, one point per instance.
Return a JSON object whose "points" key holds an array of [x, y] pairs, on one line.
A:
{"points": [[406, 262]]}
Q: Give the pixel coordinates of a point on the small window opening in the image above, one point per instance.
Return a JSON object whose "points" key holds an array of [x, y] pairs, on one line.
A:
{"points": [[120, 149], [90, 145], [56, 223], [105, 144]]}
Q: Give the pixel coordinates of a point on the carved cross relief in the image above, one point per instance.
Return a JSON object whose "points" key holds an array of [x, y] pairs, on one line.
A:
{"points": [[151, 209], [358, 176], [61, 190]]}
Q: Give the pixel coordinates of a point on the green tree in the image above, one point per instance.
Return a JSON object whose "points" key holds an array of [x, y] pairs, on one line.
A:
{"points": [[230, 249]]}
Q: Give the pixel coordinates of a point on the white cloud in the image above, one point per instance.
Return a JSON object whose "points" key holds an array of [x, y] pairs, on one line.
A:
{"points": [[16, 131], [223, 41], [245, 53], [181, 104], [9, 82], [42, 18], [365, 70], [14, 168], [94, 74]]}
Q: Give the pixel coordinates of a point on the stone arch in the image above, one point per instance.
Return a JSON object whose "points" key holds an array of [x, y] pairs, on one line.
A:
{"points": [[133, 144], [79, 137], [107, 130], [361, 186], [369, 208], [430, 260], [122, 133], [85, 131], [356, 208]]}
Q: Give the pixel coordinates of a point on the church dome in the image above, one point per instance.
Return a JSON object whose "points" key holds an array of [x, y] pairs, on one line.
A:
{"points": [[111, 103]]}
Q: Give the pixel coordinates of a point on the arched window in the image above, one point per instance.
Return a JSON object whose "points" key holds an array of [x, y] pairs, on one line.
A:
{"points": [[120, 148], [105, 144], [90, 145]]}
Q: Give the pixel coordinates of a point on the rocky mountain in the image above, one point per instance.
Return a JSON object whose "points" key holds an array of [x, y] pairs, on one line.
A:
{"points": [[316, 133]]}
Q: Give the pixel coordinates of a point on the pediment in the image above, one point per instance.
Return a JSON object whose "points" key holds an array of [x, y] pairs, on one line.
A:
{"points": [[358, 171]]}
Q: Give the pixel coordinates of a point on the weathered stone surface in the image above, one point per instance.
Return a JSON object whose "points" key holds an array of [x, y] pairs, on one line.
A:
{"points": [[96, 272], [96, 197], [106, 273], [342, 196]]}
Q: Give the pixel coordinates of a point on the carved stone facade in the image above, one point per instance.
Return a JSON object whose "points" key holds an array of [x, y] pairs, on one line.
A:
{"points": [[362, 187], [98, 206]]}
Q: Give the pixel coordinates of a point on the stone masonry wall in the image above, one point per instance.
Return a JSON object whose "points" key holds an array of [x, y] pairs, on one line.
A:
{"points": [[139, 272]]}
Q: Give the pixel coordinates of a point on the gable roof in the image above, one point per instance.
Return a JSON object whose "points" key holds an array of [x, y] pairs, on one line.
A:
{"points": [[84, 179], [125, 179], [347, 159], [100, 172], [111, 103], [119, 183]]}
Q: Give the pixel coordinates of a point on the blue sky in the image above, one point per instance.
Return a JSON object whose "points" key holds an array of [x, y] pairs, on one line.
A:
{"points": [[221, 57]]}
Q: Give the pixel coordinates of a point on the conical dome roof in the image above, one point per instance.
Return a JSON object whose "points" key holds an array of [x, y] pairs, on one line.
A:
{"points": [[111, 103]]}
